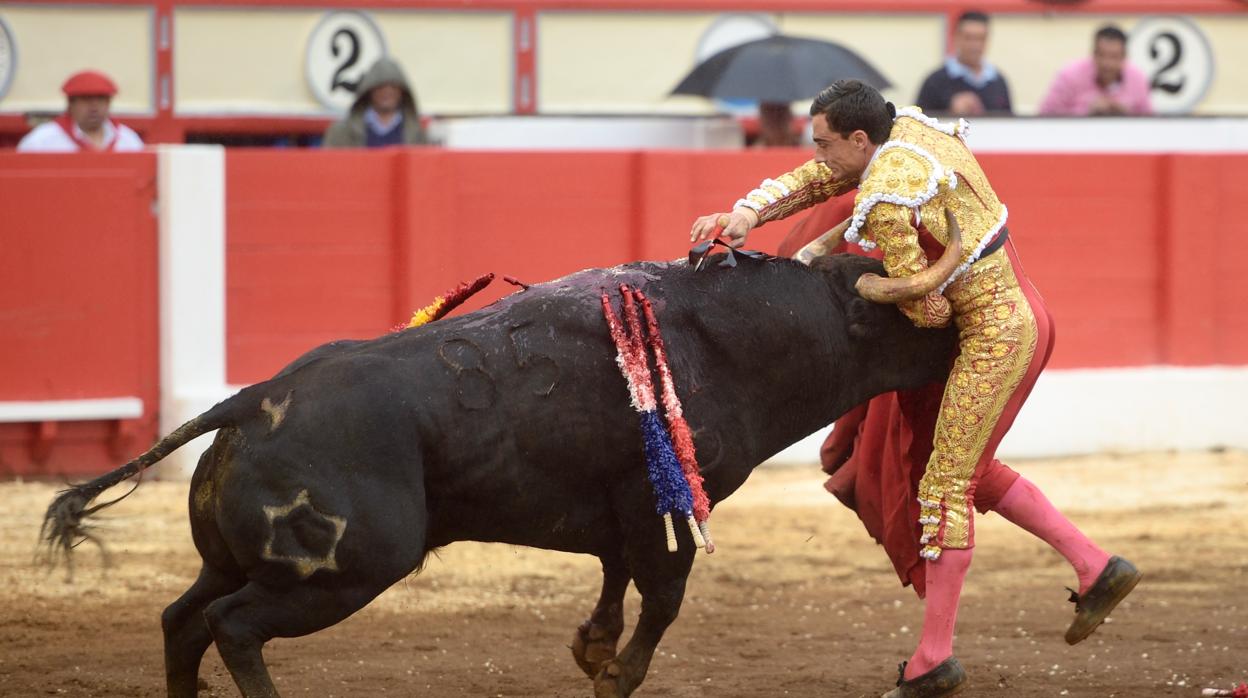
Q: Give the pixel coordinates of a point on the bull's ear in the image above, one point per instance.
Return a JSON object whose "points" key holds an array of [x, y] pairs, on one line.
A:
{"points": [[858, 319]]}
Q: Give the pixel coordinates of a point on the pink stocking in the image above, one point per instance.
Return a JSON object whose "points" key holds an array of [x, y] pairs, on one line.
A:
{"points": [[1025, 506], [940, 611]]}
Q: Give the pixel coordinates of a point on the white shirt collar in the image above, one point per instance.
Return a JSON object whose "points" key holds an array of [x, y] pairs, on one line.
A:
{"points": [[374, 121], [867, 169], [110, 133], [955, 69]]}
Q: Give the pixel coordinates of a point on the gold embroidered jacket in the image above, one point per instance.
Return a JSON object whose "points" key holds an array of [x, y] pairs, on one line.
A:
{"points": [[923, 168]]}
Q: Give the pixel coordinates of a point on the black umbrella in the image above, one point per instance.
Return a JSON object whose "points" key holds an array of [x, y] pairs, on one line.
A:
{"points": [[777, 69]]}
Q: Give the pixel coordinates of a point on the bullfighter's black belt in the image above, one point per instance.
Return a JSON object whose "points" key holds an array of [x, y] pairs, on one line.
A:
{"points": [[996, 243]]}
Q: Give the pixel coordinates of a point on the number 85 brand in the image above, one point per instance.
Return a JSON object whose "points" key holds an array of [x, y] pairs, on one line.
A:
{"points": [[340, 50]]}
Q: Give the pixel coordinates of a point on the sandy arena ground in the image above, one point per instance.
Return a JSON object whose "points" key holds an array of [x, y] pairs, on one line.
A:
{"points": [[797, 601]]}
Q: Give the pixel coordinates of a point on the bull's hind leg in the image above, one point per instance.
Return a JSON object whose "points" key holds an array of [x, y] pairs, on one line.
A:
{"points": [[660, 578], [243, 621], [596, 638], [186, 633]]}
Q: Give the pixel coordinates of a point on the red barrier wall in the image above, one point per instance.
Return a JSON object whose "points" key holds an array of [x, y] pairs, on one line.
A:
{"points": [[309, 244], [1139, 256], [1205, 288], [1089, 230], [349, 244], [78, 304], [1134, 253]]}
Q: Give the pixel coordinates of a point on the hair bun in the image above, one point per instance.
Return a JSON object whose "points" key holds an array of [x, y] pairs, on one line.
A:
{"points": [[892, 110]]}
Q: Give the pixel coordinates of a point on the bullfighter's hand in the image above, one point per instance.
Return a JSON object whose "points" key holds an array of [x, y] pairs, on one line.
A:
{"points": [[734, 226]]}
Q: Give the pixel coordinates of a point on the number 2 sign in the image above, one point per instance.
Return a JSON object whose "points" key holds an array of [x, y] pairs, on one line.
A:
{"points": [[342, 47], [1175, 55]]}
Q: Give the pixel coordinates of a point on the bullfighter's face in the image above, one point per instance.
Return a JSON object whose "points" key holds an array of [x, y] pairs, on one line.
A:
{"points": [[846, 156]]}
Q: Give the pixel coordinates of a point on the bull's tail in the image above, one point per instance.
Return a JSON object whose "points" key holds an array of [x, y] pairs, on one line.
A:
{"points": [[65, 524]]}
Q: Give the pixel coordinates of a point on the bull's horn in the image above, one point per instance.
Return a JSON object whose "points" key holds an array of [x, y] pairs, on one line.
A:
{"points": [[823, 244], [881, 289]]}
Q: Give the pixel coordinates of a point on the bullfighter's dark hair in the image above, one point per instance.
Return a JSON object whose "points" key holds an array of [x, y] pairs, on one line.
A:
{"points": [[852, 105], [971, 16], [1110, 32]]}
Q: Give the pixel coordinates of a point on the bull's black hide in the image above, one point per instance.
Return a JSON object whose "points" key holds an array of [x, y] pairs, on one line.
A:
{"points": [[334, 479]]}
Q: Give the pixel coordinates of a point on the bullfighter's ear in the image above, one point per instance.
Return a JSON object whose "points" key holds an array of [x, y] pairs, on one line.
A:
{"points": [[858, 319]]}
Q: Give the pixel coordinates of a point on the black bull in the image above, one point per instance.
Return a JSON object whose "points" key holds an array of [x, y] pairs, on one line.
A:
{"points": [[334, 479]]}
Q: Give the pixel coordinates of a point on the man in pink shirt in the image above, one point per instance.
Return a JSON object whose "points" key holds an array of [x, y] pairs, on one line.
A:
{"points": [[1103, 85]]}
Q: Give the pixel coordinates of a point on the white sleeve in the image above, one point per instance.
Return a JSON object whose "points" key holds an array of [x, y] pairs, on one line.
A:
{"points": [[127, 139], [47, 138]]}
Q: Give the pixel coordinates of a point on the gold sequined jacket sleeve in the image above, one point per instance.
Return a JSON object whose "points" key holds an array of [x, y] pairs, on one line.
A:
{"points": [[889, 225], [791, 192]]}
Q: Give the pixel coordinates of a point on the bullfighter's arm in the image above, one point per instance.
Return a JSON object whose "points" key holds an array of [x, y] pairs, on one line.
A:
{"points": [[791, 192], [889, 225]]}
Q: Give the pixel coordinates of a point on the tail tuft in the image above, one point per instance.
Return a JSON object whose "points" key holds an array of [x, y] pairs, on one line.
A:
{"points": [[67, 524]]}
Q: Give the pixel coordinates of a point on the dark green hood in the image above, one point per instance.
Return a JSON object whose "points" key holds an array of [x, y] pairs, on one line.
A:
{"points": [[384, 72]]}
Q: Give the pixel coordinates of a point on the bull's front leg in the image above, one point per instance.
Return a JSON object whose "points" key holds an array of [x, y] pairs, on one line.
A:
{"points": [[660, 578], [595, 640]]}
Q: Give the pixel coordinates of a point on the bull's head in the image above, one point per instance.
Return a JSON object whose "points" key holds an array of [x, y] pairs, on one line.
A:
{"points": [[899, 354], [881, 289]]}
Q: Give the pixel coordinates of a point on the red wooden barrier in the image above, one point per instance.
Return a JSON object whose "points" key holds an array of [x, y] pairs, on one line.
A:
{"points": [[1088, 230], [78, 304], [309, 243], [533, 216], [1121, 246], [1140, 257], [1204, 293], [349, 244]]}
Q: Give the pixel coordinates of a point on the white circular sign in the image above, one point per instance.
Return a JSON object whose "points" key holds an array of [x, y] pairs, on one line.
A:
{"points": [[8, 57], [726, 31], [729, 30], [342, 47], [1175, 55]]}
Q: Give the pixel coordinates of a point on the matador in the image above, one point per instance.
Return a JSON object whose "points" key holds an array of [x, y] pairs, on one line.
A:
{"points": [[919, 185]]}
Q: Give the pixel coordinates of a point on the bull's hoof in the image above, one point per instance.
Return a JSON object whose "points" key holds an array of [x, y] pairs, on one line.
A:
{"points": [[607, 682], [593, 646]]}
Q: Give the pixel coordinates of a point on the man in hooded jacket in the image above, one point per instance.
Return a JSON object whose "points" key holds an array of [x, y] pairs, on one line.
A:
{"points": [[384, 112]]}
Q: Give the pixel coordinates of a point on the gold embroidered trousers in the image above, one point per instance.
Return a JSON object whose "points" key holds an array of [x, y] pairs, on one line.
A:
{"points": [[1005, 335]]}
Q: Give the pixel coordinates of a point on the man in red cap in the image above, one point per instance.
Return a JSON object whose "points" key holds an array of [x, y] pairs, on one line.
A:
{"points": [[85, 126]]}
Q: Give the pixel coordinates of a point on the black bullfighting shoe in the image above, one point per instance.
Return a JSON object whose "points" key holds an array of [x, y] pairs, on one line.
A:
{"points": [[947, 679], [1114, 583]]}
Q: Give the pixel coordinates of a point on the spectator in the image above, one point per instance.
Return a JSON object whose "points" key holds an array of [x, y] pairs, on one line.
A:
{"points": [[85, 126], [966, 85], [775, 126], [1104, 84], [384, 112]]}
